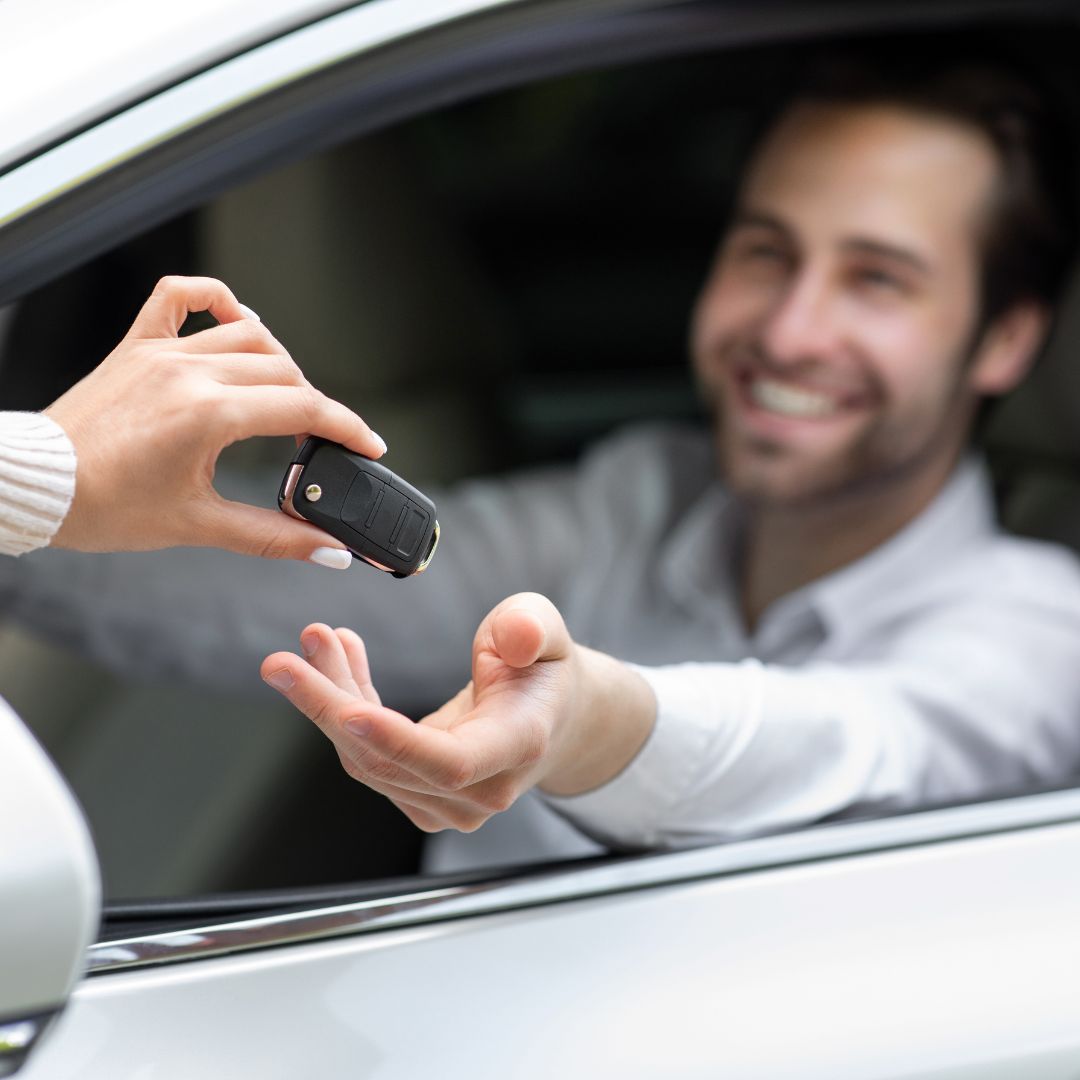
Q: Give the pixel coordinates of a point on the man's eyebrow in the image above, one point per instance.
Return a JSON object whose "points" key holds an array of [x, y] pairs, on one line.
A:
{"points": [[760, 220], [860, 245], [866, 246]]}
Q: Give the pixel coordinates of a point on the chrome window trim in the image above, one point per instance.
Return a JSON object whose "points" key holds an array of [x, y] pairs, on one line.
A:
{"points": [[544, 887]]}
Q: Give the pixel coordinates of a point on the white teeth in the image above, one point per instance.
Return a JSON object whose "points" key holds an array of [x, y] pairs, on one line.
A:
{"points": [[781, 398]]}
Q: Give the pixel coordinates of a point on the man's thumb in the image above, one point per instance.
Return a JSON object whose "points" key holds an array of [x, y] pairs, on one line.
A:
{"points": [[527, 628]]}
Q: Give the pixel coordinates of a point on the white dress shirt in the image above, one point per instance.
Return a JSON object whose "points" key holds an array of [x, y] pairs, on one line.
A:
{"points": [[944, 665]]}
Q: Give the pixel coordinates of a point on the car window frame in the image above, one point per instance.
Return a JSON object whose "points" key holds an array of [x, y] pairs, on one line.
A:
{"points": [[376, 83], [355, 72], [286, 920]]}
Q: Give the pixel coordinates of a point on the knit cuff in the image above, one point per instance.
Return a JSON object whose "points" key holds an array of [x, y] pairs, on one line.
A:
{"points": [[37, 480]]}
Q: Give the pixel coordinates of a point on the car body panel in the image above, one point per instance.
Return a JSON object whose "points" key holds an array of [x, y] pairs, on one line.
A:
{"points": [[197, 97], [942, 960], [138, 48]]}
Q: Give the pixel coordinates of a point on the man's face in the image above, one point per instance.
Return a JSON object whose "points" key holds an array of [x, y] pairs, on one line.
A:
{"points": [[835, 329]]}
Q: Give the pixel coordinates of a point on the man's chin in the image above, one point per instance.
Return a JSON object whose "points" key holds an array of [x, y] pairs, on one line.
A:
{"points": [[767, 472], [783, 485]]}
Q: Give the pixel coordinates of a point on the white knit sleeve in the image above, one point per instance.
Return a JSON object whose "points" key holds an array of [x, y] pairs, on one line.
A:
{"points": [[37, 480]]}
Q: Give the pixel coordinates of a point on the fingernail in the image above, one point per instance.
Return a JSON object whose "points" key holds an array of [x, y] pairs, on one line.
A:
{"points": [[335, 558], [249, 314], [280, 680], [358, 726], [380, 440], [310, 644]]}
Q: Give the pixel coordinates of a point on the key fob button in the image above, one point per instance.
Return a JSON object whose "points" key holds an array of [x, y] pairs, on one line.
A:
{"points": [[386, 518], [362, 502], [409, 530]]}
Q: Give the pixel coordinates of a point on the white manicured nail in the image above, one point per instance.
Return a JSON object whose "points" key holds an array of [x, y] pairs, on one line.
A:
{"points": [[335, 558], [380, 440], [249, 314]]}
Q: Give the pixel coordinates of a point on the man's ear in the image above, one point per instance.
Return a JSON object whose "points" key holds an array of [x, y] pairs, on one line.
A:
{"points": [[1008, 348]]}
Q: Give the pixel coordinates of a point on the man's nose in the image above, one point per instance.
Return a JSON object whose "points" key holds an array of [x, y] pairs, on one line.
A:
{"points": [[802, 322]]}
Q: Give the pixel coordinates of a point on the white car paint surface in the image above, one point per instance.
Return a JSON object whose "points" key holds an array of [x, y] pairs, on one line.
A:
{"points": [[50, 891], [51, 82], [942, 961]]}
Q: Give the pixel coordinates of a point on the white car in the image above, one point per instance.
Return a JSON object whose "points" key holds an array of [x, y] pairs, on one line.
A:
{"points": [[943, 943]]}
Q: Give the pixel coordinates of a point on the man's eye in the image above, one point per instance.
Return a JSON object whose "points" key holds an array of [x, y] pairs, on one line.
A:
{"points": [[765, 252], [879, 280], [762, 254]]}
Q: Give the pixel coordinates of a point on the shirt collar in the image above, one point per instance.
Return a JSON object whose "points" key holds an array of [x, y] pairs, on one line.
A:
{"points": [[697, 563], [960, 515]]}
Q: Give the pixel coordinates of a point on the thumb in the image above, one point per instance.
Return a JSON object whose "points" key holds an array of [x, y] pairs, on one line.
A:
{"points": [[527, 628], [268, 534], [174, 298]]}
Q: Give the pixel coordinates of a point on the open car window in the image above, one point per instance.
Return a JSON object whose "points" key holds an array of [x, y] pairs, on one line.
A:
{"points": [[495, 283]]}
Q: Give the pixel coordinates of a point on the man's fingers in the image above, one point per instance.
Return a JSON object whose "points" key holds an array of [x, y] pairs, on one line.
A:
{"points": [[356, 655], [334, 711], [268, 534], [286, 410], [327, 705], [423, 820], [437, 778], [174, 298], [434, 813], [453, 760], [526, 628], [325, 652]]}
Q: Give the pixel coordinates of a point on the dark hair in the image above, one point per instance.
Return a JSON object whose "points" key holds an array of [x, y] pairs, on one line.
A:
{"points": [[1030, 240]]}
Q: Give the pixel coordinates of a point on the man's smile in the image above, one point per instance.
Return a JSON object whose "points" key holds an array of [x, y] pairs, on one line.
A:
{"points": [[776, 402], [787, 399]]}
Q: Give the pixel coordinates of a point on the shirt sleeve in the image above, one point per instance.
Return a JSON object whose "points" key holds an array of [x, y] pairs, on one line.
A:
{"points": [[971, 701], [210, 617], [37, 480]]}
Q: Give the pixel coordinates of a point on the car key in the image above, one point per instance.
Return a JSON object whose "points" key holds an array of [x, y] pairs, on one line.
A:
{"points": [[377, 515]]}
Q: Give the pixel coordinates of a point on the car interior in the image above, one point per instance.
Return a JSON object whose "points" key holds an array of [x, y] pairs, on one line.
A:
{"points": [[492, 285]]}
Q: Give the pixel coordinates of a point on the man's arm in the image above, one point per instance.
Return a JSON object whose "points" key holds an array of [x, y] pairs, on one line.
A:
{"points": [[210, 617], [540, 710], [982, 700]]}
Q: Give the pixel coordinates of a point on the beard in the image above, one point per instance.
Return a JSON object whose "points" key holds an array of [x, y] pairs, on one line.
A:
{"points": [[893, 449]]}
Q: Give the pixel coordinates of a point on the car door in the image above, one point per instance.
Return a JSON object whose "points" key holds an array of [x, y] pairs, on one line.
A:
{"points": [[931, 944]]}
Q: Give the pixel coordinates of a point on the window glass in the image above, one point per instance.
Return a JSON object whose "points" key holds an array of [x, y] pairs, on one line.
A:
{"points": [[494, 287]]}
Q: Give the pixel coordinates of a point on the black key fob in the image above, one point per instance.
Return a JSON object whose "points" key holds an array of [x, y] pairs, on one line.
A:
{"points": [[382, 519]]}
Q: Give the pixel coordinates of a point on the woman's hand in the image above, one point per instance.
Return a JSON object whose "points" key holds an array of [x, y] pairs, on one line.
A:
{"points": [[149, 423]]}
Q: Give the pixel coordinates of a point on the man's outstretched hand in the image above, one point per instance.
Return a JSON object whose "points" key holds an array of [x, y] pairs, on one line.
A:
{"points": [[540, 710]]}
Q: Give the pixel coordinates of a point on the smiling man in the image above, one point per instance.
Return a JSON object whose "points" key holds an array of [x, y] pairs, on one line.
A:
{"points": [[862, 636], [806, 611], [840, 335]]}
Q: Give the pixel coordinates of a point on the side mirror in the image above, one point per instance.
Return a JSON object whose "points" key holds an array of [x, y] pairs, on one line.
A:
{"points": [[50, 892]]}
